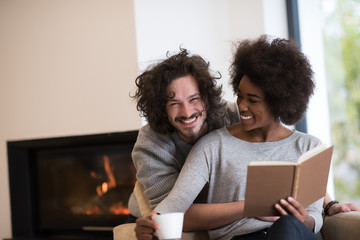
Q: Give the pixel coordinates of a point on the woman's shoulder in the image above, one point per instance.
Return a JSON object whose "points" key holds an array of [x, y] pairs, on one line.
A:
{"points": [[213, 137], [306, 140]]}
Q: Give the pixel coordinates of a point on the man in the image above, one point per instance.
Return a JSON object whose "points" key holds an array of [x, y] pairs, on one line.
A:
{"points": [[181, 101]]}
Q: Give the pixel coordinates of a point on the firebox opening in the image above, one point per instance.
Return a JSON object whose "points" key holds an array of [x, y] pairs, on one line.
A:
{"points": [[74, 187], [82, 185]]}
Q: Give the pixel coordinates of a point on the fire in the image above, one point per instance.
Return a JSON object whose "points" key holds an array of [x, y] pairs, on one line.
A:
{"points": [[111, 183], [93, 210], [117, 208], [102, 189]]}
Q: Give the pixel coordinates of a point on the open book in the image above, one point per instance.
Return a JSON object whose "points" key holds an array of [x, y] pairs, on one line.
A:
{"points": [[305, 181]]}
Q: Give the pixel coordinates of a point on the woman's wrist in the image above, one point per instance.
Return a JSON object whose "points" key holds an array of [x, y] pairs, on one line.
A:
{"points": [[309, 222]]}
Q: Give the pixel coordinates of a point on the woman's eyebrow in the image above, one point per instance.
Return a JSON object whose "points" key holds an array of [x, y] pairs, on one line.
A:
{"points": [[253, 95]]}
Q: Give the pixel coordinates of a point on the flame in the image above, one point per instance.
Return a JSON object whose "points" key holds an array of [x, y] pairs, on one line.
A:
{"points": [[112, 182], [118, 209], [103, 188], [93, 210], [107, 185]]}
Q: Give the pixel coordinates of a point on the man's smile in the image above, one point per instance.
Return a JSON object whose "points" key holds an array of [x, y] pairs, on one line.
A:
{"points": [[188, 121]]}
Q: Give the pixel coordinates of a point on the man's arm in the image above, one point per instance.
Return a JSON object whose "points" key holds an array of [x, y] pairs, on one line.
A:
{"points": [[338, 207], [157, 168]]}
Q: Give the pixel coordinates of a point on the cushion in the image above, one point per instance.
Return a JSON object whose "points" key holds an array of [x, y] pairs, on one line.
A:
{"points": [[341, 226]]}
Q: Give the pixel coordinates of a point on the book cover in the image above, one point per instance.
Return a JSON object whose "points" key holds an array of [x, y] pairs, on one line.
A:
{"points": [[270, 181]]}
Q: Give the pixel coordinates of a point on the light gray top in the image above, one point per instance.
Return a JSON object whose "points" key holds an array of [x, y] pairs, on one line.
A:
{"points": [[221, 160], [158, 159]]}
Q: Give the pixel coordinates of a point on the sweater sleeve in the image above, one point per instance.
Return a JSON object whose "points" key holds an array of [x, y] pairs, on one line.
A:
{"points": [[192, 178], [315, 211], [156, 166]]}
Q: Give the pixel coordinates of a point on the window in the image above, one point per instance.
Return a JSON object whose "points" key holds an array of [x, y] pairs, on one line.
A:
{"points": [[330, 36]]}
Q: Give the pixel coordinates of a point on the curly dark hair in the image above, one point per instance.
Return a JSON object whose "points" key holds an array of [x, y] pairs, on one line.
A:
{"points": [[281, 70], [152, 84]]}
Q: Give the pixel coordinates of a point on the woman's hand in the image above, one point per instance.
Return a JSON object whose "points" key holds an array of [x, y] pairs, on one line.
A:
{"points": [[145, 227], [292, 207], [344, 207]]}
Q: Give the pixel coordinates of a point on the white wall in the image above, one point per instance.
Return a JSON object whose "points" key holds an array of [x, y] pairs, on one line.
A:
{"points": [[205, 27], [66, 68]]}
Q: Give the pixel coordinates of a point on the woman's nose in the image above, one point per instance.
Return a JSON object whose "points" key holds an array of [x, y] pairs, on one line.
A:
{"points": [[242, 105]]}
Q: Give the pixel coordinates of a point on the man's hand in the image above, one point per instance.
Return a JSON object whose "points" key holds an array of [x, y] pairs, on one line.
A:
{"points": [[145, 228], [345, 207]]}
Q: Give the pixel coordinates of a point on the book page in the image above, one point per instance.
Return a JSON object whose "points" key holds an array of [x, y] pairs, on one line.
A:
{"points": [[313, 177], [311, 152], [266, 185], [270, 163], [267, 182]]}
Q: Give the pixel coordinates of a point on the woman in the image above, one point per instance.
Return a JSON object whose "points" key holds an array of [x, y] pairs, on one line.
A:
{"points": [[273, 83]]}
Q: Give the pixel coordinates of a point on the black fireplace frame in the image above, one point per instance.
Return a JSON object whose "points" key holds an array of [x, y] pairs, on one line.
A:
{"points": [[21, 180]]}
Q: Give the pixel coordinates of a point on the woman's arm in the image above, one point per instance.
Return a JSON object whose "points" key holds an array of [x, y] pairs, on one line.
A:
{"points": [[212, 215], [198, 217]]}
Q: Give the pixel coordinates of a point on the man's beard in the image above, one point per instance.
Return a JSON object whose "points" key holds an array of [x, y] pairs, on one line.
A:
{"points": [[193, 135]]}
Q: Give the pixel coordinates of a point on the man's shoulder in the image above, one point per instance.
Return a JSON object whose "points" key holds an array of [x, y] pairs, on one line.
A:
{"points": [[147, 133], [152, 145]]}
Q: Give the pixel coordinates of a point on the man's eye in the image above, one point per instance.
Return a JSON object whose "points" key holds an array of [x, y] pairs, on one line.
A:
{"points": [[194, 99], [174, 104], [253, 101]]}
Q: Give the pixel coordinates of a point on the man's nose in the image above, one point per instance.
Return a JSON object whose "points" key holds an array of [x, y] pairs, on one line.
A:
{"points": [[186, 110]]}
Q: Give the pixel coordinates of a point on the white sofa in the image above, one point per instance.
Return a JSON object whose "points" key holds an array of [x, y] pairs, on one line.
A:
{"points": [[126, 231], [338, 227]]}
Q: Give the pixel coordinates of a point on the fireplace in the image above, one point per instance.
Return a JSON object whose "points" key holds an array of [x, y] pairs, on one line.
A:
{"points": [[73, 187]]}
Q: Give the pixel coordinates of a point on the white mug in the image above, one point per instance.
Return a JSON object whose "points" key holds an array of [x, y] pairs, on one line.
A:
{"points": [[171, 225]]}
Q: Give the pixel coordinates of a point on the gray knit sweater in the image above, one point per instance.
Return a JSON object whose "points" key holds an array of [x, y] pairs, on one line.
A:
{"points": [[158, 159], [221, 160]]}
